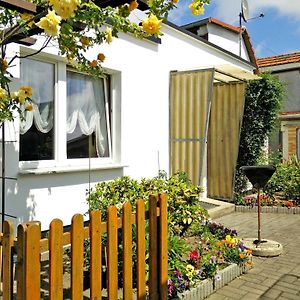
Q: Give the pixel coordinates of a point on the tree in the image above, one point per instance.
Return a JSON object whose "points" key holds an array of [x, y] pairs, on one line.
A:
{"points": [[76, 25], [263, 101]]}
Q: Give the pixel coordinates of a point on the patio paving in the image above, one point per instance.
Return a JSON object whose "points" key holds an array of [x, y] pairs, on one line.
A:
{"points": [[272, 277]]}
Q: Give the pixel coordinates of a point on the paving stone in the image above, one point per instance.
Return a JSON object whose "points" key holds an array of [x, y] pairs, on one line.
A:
{"points": [[272, 293], [272, 277], [290, 296]]}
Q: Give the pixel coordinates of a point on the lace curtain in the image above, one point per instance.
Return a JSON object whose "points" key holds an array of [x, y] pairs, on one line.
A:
{"points": [[40, 76], [86, 107]]}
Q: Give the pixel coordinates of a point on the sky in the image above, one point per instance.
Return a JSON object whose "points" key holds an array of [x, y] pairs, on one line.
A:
{"points": [[278, 32]]}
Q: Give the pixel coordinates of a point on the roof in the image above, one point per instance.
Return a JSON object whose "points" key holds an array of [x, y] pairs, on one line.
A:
{"points": [[246, 37], [277, 60]]}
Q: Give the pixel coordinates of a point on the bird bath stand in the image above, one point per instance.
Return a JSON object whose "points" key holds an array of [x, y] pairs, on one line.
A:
{"points": [[259, 176]]}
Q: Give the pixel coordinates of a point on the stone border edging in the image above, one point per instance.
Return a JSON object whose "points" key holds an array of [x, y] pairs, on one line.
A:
{"points": [[208, 286], [268, 209]]}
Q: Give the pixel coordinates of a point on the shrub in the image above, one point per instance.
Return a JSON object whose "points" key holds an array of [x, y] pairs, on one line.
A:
{"points": [[263, 100], [183, 198], [286, 180]]}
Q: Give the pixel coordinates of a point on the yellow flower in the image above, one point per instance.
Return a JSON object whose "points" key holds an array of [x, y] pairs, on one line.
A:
{"points": [[197, 8], [65, 8], [27, 90], [242, 255], [190, 268], [151, 25], [21, 96], [2, 93], [29, 107], [133, 5], [3, 64], [50, 23], [27, 17], [93, 63], [108, 35], [101, 57], [175, 1], [85, 41]]}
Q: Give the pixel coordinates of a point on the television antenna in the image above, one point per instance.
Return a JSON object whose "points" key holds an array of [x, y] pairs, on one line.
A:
{"points": [[245, 16]]}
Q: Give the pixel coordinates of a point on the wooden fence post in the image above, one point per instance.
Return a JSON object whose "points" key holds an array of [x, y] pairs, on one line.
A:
{"points": [[7, 244], [77, 238], [153, 258], [127, 251], [163, 247], [56, 260], [96, 255], [32, 261], [141, 250], [112, 249], [20, 267]]}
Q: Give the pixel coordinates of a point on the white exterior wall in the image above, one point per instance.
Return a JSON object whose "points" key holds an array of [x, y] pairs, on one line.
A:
{"points": [[140, 88], [228, 40]]}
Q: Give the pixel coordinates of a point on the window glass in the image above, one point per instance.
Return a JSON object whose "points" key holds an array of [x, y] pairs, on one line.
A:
{"points": [[87, 116], [36, 128]]}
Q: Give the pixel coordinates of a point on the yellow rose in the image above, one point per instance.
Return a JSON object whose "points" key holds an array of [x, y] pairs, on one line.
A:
{"points": [[29, 107], [197, 8], [93, 63], [65, 8], [21, 96], [27, 90], [151, 25], [3, 64], [27, 17], [50, 23], [2, 93], [133, 5], [85, 41], [101, 57], [108, 35]]}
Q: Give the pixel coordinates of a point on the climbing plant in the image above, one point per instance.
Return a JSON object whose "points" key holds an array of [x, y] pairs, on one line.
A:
{"points": [[263, 101], [75, 26]]}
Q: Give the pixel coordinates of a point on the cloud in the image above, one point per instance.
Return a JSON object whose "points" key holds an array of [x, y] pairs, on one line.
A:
{"points": [[229, 10]]}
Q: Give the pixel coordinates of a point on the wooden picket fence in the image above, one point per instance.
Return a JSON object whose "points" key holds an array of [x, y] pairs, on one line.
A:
{"points": [[26, 248]]}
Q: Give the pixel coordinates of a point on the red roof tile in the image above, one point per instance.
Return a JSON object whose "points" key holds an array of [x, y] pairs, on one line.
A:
{"points": [[279, 60]]}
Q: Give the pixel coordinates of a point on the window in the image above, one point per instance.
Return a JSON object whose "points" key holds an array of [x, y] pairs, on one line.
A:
{"points": [[70, 117], [36, 129]]}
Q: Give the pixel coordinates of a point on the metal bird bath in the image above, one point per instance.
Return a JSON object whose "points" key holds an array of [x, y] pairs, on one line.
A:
{"points": [[258, 176]]}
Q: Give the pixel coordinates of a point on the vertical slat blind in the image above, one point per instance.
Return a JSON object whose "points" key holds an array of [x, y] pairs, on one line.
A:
{"points": [[223, 138], [189, 113]]}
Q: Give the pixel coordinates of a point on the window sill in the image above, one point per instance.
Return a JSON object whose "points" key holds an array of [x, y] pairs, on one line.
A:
{"points": [[68, 169]]}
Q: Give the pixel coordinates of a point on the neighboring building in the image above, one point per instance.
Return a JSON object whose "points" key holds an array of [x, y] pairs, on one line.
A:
{"points": [[228, 37], [287, 68], [83, 131]]}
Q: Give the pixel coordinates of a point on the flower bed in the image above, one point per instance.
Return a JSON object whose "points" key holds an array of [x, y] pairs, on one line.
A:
{"points": [[213, 250], [209, 286]]}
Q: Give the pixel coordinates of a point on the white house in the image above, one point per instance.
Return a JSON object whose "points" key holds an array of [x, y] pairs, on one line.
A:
{"points": [[50, 164]]}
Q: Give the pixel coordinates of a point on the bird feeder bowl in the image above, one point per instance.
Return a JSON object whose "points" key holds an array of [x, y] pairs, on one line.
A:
{"points": [[259, 177]]}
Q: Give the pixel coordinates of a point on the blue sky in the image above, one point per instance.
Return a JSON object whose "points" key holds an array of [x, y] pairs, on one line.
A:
{"points": [[278, 32]]}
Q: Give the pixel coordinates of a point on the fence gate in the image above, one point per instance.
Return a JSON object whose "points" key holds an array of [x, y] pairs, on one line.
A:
{"points": [[33, 282]]}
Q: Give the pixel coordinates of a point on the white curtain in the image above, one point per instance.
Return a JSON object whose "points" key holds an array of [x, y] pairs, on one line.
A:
{"points": [[86, 107], [40, 76]]}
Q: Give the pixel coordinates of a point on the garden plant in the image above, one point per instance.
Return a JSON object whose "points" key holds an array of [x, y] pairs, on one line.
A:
{"points": [[198, 248]]}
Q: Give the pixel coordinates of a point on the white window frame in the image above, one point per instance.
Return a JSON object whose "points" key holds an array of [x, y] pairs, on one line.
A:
{"points": [[60, 163]]}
